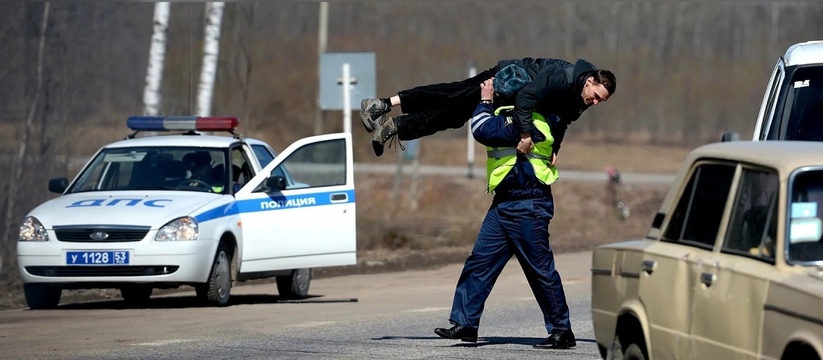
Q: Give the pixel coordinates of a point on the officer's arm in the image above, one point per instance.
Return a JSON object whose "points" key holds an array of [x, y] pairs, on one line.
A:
{"points": [[491, 130], [558, 132]]}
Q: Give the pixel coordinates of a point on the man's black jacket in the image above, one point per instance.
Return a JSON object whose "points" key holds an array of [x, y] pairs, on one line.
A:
{"points": [[555, 89]]}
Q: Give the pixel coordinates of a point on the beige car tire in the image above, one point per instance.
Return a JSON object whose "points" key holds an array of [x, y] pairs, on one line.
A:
{"points": [[631, 352]]}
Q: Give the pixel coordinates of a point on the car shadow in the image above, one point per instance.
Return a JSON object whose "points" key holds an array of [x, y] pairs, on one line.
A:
{"points": [[482, 340], [186, 302]]}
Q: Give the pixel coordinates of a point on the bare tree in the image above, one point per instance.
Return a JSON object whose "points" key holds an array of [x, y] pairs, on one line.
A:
{"points": [[16, 167]]}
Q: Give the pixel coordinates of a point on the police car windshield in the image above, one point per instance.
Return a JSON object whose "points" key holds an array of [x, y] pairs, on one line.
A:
{"points": [[155, 168], [803, 107]]}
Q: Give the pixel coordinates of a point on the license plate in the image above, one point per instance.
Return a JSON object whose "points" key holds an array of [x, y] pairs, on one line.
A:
{"points": [[98, 257]]}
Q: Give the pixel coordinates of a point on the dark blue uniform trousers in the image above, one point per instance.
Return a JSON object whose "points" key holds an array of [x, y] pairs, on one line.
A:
{"points": [[519, 227]]}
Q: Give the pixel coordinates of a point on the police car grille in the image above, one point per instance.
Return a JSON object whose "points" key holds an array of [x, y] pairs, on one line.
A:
{"points": [[100, 271], [115, 234]]}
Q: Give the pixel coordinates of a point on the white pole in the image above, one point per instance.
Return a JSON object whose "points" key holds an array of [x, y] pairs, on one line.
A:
{"points": [[470, 138], [211, 51], [157, 55], [346, 99], [322, 39]]}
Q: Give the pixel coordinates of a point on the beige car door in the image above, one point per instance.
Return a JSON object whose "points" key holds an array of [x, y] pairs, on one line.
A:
{"points": [[731, 288], [688, 236]]}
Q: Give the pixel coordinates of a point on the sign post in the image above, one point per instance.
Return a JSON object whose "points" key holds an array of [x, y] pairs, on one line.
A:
{"points": [[355, 73]]}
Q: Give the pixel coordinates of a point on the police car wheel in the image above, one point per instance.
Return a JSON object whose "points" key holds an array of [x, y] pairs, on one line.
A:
{"points": [[42, 296], [296, 285], [218, 289], [136, 293]]}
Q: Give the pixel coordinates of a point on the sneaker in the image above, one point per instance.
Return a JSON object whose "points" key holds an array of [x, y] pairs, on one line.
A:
{"points": [[372, 111], [386, 131]]}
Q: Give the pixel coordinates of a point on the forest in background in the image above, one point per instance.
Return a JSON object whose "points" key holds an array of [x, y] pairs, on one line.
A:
{"points": [[687, 71]]}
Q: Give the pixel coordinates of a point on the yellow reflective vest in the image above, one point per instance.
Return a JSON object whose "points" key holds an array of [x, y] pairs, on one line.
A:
{"points": [[501, 159]]}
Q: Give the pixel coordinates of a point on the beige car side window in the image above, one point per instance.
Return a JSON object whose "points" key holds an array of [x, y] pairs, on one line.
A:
{"points": [[696, 219], [752, 229]]}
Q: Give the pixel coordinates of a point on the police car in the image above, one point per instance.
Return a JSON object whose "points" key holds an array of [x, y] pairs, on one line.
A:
{"points": [[182, 208]]}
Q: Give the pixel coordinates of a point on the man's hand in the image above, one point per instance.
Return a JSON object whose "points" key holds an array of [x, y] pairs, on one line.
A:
{"points": [[525, 145], [554, 159], [487, 90]]}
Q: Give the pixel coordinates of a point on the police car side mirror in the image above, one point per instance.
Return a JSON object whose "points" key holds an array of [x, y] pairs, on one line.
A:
{"points": [[58, 185], [276, 183]]}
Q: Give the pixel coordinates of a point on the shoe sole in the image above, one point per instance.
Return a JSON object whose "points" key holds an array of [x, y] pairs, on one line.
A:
{"points": [[368, 123], [466, 339]]}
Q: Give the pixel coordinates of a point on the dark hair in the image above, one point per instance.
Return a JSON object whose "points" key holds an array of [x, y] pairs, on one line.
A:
{"points": [[605, 78]]}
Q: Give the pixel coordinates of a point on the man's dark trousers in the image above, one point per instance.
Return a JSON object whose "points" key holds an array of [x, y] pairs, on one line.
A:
{"points": [[519, 227]]}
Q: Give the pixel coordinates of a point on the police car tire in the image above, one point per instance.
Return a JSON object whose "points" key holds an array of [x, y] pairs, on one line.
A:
{"points": [[136, 293], [217, 290], [296, 285], [42, 296]]}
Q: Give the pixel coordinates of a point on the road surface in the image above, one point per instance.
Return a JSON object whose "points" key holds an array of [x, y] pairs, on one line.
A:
{"points": [[375, 316]]}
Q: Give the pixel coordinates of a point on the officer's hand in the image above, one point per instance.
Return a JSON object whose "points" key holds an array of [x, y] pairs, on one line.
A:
{"points": [[525, 145], [554, 159]]}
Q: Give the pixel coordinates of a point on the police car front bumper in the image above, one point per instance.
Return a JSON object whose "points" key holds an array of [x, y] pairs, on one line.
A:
{"points": [[149, 261]]}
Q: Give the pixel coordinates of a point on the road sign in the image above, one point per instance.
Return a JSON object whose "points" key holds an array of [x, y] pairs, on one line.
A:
{"points": [[361, 79]]}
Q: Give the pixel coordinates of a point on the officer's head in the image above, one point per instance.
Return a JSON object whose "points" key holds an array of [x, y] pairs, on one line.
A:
{"points": [[510, 79]]}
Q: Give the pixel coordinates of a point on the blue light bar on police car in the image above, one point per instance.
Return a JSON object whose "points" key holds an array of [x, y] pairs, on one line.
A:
{"points": [[181, 123]]}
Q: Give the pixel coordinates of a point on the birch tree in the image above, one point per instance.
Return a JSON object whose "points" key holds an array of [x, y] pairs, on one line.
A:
{"points": [[211, 50], [157, 55]]}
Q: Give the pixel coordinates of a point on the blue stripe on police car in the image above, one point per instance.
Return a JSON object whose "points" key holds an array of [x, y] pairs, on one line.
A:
{"points": [[277, 203]]}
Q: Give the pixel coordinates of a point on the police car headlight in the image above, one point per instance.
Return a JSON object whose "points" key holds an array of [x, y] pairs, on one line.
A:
{"points": [[32, 230], [184, 228]]}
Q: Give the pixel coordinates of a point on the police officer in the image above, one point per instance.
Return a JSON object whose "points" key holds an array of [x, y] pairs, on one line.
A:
{"points": [[517, 223]]}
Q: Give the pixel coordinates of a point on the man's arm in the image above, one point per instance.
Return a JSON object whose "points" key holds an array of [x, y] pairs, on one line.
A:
{"points": [[492, 130]]}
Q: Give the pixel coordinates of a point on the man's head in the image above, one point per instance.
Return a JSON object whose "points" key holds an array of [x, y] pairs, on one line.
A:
{"points": [[599, 86], [198, 163]]}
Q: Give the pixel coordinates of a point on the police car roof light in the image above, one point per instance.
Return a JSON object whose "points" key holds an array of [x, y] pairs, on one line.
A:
{"points": [[182, 123]]}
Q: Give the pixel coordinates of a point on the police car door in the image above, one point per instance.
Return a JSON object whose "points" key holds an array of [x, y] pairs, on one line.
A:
{"points": [[299, 211]]}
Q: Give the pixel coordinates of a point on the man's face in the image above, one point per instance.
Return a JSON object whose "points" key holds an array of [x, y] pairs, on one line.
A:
{"points": [[594, 93]]}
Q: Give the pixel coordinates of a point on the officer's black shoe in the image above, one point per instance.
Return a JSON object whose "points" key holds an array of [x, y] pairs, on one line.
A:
{"points": [[558, 340], [458, 332]]}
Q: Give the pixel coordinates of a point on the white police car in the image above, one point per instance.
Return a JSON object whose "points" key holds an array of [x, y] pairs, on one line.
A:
{"points": [[189, 209]]}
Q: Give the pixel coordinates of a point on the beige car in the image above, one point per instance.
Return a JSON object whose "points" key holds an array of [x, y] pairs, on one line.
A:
{"points": [[732, 266]]}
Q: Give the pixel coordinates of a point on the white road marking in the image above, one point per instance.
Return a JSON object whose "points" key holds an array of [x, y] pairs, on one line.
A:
{"points": [[428, 309], [163, 342], [315, 323]]}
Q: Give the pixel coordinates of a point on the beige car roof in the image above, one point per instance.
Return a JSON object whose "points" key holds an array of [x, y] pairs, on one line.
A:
{"points": [[783, 156]]}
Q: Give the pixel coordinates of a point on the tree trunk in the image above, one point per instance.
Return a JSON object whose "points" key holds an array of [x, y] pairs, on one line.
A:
{"points": [[211, 51], [17, 163], [157, 56]]}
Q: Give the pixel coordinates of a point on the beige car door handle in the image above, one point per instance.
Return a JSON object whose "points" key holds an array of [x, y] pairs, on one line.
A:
{"points": [[708, 278], [648, 266]]}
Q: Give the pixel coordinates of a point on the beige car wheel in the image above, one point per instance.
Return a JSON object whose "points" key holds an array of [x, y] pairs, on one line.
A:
{"points": [[632, 352]]}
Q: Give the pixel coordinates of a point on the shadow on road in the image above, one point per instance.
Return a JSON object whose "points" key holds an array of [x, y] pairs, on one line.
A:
{"points": [[481, 341], [184, 302]]}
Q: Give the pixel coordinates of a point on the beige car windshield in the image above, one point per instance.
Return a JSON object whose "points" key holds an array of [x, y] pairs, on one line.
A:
{"points": [[805, 235]]}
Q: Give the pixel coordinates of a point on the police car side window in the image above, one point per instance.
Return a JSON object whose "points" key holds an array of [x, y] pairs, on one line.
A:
{"points": [[263, 155], [696, 219], [241, 171], [315, 165]]}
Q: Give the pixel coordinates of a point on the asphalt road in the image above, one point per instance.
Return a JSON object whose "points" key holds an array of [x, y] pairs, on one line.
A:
{"points": [[375, 316]]}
